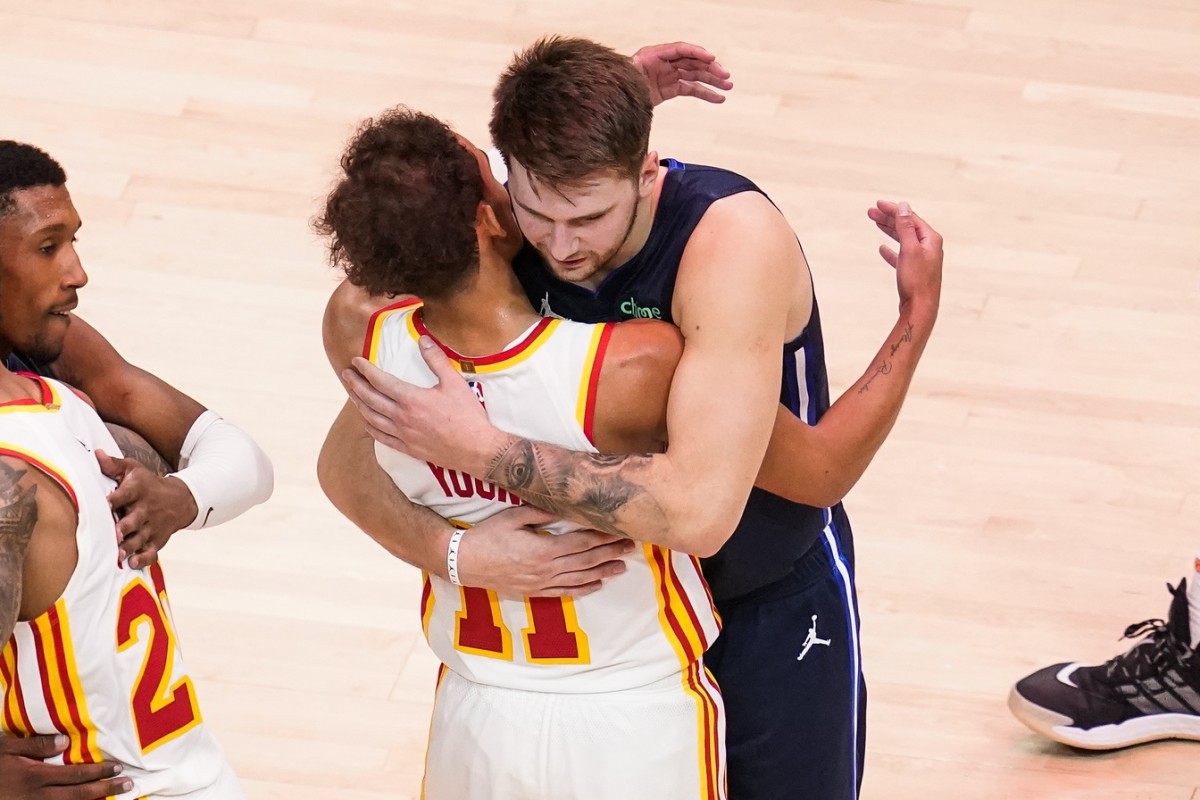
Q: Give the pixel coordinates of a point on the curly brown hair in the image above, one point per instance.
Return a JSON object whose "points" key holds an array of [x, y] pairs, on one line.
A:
{"points": [[567, 108], [402, 218]]}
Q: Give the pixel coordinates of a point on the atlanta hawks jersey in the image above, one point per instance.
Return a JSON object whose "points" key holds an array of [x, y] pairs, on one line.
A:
{"points": [[651, 622], [102, 665]]}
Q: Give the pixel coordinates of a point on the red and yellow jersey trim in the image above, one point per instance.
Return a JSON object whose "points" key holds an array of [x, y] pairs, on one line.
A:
{"points": [[51, 471], [14, 716], [61, 687], [375, 326], [698, 683], [537, 336], [586, 410], [49, 400], [675, 613]]}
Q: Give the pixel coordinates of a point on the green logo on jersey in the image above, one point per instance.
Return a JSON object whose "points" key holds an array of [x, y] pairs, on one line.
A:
{"points": [[632, 309]]}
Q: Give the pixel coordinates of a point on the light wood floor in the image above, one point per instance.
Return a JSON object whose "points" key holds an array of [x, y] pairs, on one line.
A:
{"points": [[1040, 488]]}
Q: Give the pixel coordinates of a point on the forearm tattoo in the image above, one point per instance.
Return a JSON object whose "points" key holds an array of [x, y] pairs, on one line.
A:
{"points": [[138, 449], [18, 516], [885, 366], [591, 488]]}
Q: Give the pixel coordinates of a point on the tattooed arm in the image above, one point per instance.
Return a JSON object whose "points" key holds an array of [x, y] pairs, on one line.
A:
{"points": [[138, 449], [18, 517]]}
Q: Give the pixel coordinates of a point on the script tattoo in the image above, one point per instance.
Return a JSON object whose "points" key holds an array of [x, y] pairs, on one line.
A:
{"points": [[18, 516], [586, 486], [885, 366], [138, 449]]}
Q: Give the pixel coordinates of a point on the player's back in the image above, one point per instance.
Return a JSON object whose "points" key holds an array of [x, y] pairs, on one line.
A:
{"points": [[646, 624], [102, 665]]}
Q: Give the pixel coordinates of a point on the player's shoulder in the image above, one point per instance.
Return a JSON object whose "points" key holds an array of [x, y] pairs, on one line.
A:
{"points": [[349, 315], [640, 346]]}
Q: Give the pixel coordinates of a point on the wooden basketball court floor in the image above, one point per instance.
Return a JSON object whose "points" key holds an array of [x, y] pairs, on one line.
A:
{"points": [[1041, 486]]}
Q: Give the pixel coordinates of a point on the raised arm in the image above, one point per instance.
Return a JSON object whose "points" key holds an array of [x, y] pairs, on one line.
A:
{"points": [[719, 417], [817, 465]]}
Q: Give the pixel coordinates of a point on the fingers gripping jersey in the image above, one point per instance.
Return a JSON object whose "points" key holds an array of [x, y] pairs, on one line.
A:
{"points": [[644, 625], [102, 665]]}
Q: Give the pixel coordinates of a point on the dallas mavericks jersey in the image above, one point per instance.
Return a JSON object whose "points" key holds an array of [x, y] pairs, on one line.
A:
{"points": [[645, 625], [102, 665], [773, 532]]}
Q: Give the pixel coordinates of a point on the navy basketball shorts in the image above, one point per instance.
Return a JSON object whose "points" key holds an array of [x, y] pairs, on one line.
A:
{"points": [[789, 667]]}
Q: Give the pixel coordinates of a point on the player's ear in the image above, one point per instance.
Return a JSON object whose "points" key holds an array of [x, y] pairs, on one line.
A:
{"points": [[649, 174], [487, 225]]}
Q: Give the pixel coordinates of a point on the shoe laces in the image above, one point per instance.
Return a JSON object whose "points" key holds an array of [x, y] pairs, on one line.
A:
{"points": [[1160, 652]]}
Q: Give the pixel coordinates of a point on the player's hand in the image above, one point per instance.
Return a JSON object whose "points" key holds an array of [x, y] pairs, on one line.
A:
{"points": [[505, 553], [150, 508], [24, 775], [918, 265], [445, 424], [680, 68]]}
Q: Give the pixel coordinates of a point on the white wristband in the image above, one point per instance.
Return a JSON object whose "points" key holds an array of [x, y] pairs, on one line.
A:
{"points": [[452, 556]]}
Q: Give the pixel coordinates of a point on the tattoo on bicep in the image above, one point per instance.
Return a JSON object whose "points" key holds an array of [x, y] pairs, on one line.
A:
{"points": [[138, 449], [18, 517], [587, 486]]}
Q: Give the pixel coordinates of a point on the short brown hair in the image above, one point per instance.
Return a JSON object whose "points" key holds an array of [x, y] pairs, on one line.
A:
{"points": [[402, 217], [567, 108]]}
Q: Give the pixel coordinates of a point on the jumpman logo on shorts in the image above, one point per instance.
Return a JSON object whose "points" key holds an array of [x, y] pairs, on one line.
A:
{"points": [[812, 639]]}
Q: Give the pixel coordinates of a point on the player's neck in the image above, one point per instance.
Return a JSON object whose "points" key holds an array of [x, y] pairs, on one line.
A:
{"points": [[16, 387], [484, 317]]}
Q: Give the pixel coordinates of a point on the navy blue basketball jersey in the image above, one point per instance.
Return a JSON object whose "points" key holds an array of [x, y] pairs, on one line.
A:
{"points": [[773, 532]]}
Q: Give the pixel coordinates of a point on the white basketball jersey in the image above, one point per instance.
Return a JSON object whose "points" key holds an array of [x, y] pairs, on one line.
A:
{"points": [[644, 625], [102, 665]]}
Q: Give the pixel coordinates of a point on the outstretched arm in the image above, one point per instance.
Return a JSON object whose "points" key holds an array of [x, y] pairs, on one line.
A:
{"points": [[817, 465]]}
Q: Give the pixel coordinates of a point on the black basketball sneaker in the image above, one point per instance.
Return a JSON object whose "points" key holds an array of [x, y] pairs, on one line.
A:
{"points": [[1149, 692]]}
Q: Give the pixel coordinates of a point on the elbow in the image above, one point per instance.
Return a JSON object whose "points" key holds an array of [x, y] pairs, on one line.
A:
{"points": [[702, 535]]}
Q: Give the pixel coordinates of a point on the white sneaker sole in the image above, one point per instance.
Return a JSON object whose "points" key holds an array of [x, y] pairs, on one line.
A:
{"points": [[1151, 728]]}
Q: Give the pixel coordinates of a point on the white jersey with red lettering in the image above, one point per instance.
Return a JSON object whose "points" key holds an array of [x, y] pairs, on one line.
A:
{"points": [[102, 665], [653, 621]]}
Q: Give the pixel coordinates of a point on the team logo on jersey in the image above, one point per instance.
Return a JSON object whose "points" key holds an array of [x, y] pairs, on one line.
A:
{"points": [[812, 640], [546, 311], [630, 308]]}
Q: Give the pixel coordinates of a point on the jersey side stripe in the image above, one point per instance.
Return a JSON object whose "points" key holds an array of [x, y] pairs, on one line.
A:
{"points": [[687, 623], [666, 612], [73, 690], [41, 644], [706, 723], [586, 410], [15, 719], [695, 629]]}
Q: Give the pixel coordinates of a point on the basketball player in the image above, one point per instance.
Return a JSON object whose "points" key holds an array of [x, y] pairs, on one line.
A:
{"points": [[615, 233], [1148, 693], [90, 651], [601, 697]]}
